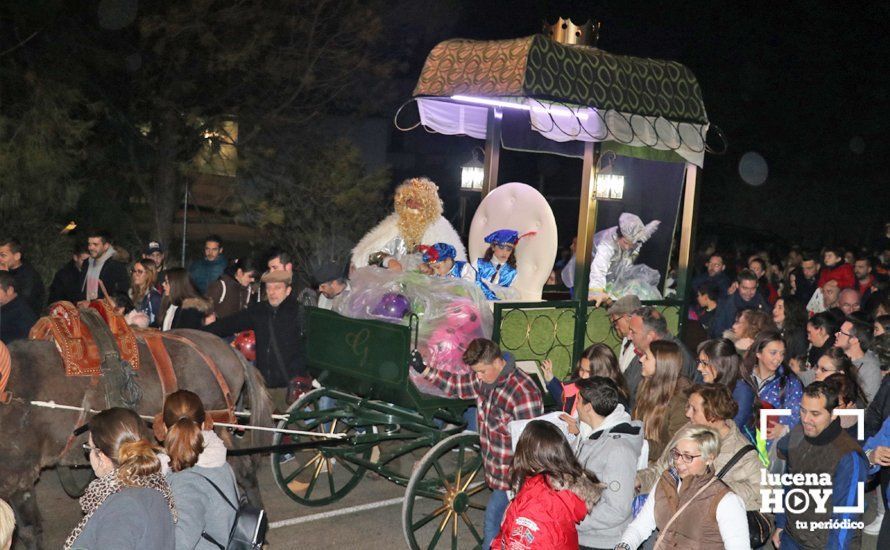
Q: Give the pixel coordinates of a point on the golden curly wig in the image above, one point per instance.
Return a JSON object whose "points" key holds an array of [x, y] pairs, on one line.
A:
{"points": [[413, 222]]}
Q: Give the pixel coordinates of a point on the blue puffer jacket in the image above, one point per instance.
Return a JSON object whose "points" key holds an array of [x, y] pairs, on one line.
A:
{"points": [[203, 272]]}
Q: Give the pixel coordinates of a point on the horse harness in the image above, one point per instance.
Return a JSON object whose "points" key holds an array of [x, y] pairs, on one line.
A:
{"points": [[97, 342]]}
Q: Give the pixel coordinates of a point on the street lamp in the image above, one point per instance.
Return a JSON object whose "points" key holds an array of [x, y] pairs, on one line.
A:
{"points": [[472, 173]]}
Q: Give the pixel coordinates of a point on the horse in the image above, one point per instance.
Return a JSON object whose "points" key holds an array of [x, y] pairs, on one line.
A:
{"points": [[34, 438]]}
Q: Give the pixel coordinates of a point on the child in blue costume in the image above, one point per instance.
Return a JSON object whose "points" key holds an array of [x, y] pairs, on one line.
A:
{"points": [[498, 267], [440, 259]]}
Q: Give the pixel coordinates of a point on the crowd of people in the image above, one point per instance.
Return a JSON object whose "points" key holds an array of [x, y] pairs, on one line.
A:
{"points": [[670, 438], [212, 293], [673, 442]]}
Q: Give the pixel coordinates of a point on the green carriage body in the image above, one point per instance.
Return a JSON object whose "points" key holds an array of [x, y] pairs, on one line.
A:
{"points": [[370, 360]]}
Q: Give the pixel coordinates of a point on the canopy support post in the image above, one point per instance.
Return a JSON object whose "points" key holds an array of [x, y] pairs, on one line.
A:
{"points": [[687, 234], [584, 244], [492, 150]]}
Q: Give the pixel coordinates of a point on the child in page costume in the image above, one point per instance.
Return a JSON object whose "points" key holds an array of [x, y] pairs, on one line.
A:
{"points": [[497, 270], [440, 257]]}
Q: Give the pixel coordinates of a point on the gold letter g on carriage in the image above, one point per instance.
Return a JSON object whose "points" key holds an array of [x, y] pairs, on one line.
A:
{"points": [[358, 343]]}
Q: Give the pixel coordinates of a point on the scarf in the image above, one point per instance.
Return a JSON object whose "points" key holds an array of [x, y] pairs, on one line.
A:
{"points": [[109, 484], [93, 272]]}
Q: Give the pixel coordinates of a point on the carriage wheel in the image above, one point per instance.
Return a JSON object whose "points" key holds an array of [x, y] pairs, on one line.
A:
{"points": [[444, 500], [314, 476], [75, 479]]}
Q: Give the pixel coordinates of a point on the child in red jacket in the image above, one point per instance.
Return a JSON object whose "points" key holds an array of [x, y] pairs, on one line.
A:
{"points": [[554, 493], [835, 268]]}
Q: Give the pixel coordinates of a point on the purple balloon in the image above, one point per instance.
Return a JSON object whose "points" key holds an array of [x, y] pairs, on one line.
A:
{"points": [[393, 306]]}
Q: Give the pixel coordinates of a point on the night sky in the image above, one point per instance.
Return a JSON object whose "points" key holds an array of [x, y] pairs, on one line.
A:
{"points": [[803, 84]]}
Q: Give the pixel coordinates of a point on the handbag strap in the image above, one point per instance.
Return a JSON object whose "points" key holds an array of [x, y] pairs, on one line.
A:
{"points": [[218, 490], [680, 510], [735, 458], [204, 534]]}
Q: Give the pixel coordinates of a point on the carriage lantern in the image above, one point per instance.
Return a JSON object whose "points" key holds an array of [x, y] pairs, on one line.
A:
{"points": [[471, 174]]}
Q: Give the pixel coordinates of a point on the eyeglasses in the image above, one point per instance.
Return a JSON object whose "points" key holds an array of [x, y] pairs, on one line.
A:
{"points": [[677, 455], [847, 334], [89, 448]]}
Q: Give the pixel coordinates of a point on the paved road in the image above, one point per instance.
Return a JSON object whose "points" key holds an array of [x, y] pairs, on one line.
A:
{"points": [[371, 517]]}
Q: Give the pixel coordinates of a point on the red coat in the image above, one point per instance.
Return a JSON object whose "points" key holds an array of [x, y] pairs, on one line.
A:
{"points": [[543, 517], [842, 273]]}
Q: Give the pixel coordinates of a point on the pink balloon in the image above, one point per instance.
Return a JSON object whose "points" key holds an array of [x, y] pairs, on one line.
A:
{"points": [[448, 342]]}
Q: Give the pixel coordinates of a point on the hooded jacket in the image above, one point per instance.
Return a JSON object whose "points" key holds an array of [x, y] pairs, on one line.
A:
{"points": [[612, 453], [228, 296], [201, 509], [544, 514]]}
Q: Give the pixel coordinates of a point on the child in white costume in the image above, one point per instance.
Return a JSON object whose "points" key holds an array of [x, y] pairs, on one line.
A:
{"points": [[613, 272]]}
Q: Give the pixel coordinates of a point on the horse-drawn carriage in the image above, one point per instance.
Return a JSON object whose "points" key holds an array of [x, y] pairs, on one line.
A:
{"points": [[640, 119], [646, 118]]}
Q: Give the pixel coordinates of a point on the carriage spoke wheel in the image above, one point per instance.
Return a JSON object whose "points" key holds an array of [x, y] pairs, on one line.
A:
{"points": [[445, 499], [313, 476]]}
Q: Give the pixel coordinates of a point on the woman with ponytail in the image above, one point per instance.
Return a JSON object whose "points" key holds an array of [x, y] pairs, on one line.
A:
{"points": [[130, 505], [197, 464]]}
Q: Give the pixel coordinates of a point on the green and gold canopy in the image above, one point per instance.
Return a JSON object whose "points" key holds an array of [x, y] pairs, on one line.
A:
{"points": [[572, 93], [537, 67]]}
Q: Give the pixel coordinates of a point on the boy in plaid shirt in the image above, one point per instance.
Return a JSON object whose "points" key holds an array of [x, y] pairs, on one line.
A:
{"points": [[502, 393]]}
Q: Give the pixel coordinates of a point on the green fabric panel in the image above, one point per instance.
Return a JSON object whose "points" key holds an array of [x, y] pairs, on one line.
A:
{"points": [[538, 334], [592, 77]]}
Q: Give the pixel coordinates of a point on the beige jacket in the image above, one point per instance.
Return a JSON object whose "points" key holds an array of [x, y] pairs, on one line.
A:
{"points": [[743, 478]]}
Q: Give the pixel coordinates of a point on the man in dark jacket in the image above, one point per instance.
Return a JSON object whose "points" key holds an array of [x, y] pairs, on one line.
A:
{"points": [[714, 275], [805, 279], [16, 317], [277, 324], [66, 282], [102, 266], [28, 284], [211, 266], [743, 295]]}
